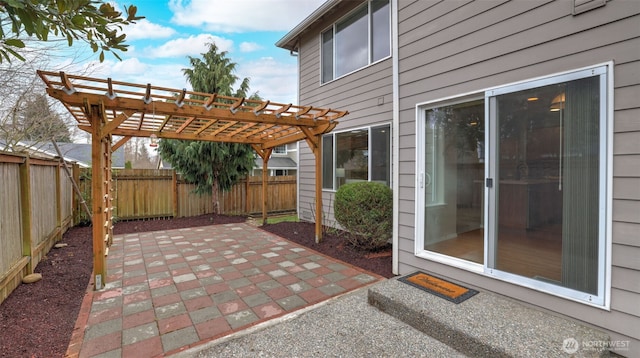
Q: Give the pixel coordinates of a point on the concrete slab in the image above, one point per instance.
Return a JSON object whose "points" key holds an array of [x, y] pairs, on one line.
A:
{"points": [[486, 325], [345, 326]]}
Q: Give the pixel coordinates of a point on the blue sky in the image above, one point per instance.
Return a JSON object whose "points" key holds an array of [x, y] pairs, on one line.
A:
{"points": [[175, 29]]}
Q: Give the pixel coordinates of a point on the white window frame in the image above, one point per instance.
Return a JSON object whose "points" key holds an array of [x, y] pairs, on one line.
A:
{"points": [[281, 149], [333, 134], [274, 172], [421, 204], [600, 300], [335, 57]]}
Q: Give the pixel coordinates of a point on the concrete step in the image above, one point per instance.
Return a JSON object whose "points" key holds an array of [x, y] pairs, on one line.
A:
{"points": [[344, 326], [487, 325]]}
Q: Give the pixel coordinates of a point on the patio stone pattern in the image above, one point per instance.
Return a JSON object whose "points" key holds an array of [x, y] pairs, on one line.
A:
{"points": [[171, 290]]}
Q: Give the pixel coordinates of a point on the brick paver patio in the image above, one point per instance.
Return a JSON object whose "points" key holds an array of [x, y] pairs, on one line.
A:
{"points": [[171, 290]]}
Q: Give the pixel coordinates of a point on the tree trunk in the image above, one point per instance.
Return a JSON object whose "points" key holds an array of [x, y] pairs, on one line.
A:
{"points": [[214, 196]]}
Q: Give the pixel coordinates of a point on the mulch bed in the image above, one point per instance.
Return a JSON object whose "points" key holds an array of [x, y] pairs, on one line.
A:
{"points": [[37, 319], [334, 245]]}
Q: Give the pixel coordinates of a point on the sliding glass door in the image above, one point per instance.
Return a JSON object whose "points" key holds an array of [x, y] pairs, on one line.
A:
{"points": [[522, 193], [548, 179], [452, 180]]}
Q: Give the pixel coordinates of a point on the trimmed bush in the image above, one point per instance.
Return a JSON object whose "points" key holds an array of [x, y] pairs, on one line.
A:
{"points": [[365, 209]]}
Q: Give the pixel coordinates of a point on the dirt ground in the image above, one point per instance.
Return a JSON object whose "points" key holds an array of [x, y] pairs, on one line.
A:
{"points": [[37, 319]]}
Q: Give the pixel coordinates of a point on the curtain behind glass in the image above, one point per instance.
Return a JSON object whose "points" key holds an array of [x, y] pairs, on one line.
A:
{"points": [[580, 184]]}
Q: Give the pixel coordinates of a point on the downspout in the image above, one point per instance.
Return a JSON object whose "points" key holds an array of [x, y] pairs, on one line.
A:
{"points": [[395, 165], [297, 56]]}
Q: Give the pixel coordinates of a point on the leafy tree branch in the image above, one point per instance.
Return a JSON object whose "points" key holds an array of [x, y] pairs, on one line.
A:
{"points": [[95, 22]]}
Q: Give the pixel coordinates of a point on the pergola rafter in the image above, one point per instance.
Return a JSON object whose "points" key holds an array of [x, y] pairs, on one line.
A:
{"points": [[181, 114], [107, 108]]}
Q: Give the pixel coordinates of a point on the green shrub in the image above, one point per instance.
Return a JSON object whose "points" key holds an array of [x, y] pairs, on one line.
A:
{"points": [[365, 209]]}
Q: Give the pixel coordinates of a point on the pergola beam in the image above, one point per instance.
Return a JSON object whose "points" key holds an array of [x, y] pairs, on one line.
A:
{"points": [[168, 108], [183, 136], [109, 127], [120, 143]]}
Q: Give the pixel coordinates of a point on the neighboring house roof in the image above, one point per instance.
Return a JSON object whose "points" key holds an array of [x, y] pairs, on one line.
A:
{"points": [[82, 153], [72, 152], [290, 40], [277, 163]]}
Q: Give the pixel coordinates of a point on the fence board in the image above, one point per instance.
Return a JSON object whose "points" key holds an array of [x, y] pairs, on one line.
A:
{"points": [[281, 194], [27, 233], [143, 193], [191, 204], [66, 195], [10, 210], [43, 202], [150, 193]]}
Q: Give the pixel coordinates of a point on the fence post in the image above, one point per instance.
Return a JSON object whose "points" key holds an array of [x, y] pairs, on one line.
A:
{"points": [[58, 203], [25, 198], [174, 178], [75, 200], [246, 195]]}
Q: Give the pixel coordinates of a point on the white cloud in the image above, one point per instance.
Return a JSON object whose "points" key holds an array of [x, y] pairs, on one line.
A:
{"points": [[250, 47], [242, 15], [129, 66], [273, 80], [159, 75], [190, 46], [145, 29]]}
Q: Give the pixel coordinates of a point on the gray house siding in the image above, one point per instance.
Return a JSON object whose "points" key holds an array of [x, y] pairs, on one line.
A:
{"points": [[455, 47], [365, 93]]}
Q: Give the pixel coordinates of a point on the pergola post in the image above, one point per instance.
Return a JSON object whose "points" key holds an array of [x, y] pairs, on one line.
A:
{"points": [[108, 188], [318, 154], [315, 144], [100, 158], [265, 154], [265, 182]]}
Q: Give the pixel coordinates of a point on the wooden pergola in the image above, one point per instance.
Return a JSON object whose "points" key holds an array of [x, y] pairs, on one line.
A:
{"points": [[107, 108]]}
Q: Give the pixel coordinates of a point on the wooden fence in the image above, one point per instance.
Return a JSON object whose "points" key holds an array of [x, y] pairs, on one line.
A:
{"points": [[38, 204], [35, 211], [150, 193]]}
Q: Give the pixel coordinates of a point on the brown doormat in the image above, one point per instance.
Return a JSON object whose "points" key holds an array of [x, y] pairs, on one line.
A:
{"points": [[439, 287]]}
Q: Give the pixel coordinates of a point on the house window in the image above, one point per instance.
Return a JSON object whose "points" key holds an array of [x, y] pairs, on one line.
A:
{"points": [[533, 208], [281, 149], [357, 155], [361, 38]]}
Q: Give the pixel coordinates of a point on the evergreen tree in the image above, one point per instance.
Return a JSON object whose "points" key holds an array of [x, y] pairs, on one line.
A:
{"points": [[211, 166]]}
